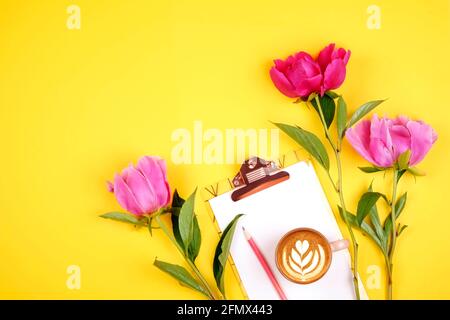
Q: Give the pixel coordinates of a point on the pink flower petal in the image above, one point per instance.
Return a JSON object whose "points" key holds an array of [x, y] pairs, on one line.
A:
{"points": [[155, 172], [401, 140], [382, 155], [303, 56], [334, 75], [125, 197], [341, 54], [324, 58], [338, 54], [381, 142], [143, 192], [308, 86], [309, 68], [401, 120], [282, 83], [359, 138], [384, 132], [422, 138], [281, 65], [347, 57]]}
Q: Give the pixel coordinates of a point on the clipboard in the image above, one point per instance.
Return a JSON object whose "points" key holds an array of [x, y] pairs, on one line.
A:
{"points": [[296, 200]]}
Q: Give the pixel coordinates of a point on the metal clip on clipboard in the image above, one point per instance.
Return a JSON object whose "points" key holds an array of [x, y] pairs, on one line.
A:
{"points": [[255, 175]]}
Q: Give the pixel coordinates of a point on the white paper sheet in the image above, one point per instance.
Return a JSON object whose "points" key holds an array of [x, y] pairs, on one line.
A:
{"points": [[269, 214]]}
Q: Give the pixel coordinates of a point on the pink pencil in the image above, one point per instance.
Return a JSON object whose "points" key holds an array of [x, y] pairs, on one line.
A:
{"points": [[264, 264]]}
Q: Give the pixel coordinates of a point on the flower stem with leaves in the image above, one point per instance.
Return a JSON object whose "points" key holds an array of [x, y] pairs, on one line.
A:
{"points": [[209, 292], [326, 108], [186, 237], [390, 264], [340, 190]]}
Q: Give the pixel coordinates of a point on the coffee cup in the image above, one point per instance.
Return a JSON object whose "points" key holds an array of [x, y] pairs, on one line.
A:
{"points": [[304, 255]]}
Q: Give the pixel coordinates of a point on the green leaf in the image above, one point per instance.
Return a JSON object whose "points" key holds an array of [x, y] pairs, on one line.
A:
{"points": [[403, 160], [388, 226], [399, 206], [364, 226], [124, 217], [181, 274], [222, 252], [332, 94], [150, 227], [362, 111], [186, 221], [371, 169], [374, 218], [416, 172], [194, 246], [341, 117], [365, 204], [176, 230], [400, 173], [401, 229], [177, 203], [308, 141], [311, 96], [328, 108]]}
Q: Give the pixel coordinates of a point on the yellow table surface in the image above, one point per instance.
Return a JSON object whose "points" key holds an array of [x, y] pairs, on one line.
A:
{"points": [[78, 105]]}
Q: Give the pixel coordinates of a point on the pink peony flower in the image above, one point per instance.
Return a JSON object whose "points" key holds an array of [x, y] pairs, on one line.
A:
{"points": [[297, 76], [144, 188], [300, 75], [333, 64], [382, 141]]}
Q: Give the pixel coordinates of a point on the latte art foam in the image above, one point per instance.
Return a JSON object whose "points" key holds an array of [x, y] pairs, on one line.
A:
{"points": [[303, 255], [303, 261]]}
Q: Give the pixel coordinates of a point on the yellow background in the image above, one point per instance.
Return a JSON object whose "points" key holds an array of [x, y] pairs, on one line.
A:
{"points": [[78, 105]]}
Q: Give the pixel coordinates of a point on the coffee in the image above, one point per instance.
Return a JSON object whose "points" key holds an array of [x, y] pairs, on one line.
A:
{"points": [[303, 255]]}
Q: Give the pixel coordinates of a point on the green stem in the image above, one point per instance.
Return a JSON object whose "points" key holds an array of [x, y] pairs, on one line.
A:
{"points": [[388, 273], [194, 268], [335, 187], [349, 228], [390, 264], [339, 190]]}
